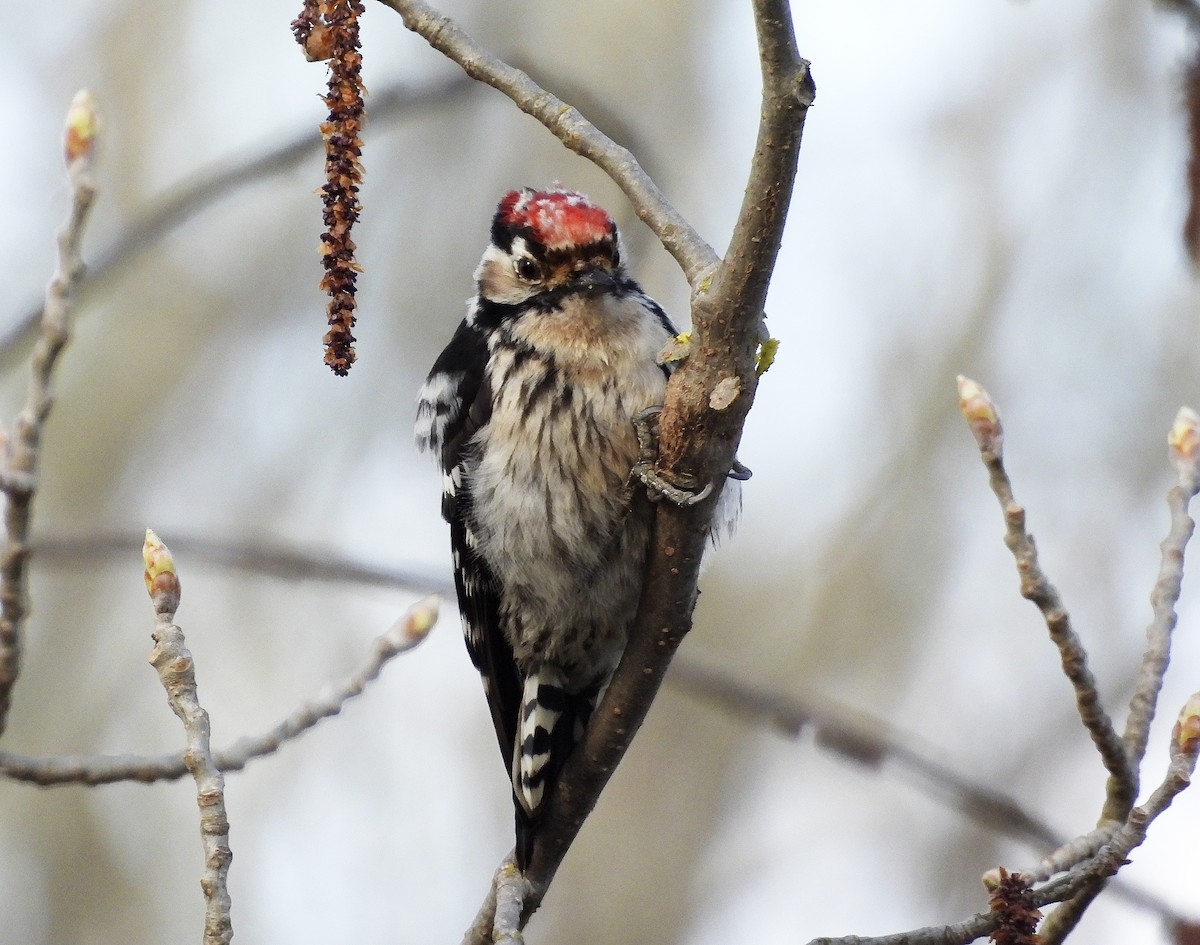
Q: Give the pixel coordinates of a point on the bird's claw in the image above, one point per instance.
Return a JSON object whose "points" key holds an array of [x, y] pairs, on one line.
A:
{"points": [[659, 488], [646, 470]]}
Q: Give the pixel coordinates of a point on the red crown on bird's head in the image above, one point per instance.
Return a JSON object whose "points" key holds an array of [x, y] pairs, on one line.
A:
{"points": [[558, 219]]}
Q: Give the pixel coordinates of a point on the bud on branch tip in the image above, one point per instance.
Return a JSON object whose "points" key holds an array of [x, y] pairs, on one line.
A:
{"points": [[980, 413], [81, 129], [162, 582], [1186, 736], [1184, 440], [420, 618]]}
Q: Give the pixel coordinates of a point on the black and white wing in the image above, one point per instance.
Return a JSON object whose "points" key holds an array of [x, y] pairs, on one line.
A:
{"points": [[452, 406]]}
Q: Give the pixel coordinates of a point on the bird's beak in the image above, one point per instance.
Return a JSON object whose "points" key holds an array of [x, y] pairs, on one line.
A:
{"points": [[594, 281]]}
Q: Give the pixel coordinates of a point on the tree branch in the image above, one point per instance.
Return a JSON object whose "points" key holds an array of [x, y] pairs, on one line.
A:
{"points": [[279, 561], [697, 441], [1036, 587], [697, 444], [695, 257], [867, 740], [511, 888], [185, 199], [22, 454], [176, 669], [1167, 588], [406, 633], [1105, 863]]}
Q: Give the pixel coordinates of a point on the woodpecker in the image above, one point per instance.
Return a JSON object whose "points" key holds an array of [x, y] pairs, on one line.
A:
{"points": [[530, 412]]}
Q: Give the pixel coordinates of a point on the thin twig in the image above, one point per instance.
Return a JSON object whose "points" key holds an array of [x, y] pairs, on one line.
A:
{"points": [[405, 634], [867, 740], [280, 561], [695, 257], [1062, 921], [847, 733], [1071, 853], [23, 452], [1036, 587], [1167, 588], [184, 200], [480, 931], [511, 888], [176, 669], [1104, 864]]}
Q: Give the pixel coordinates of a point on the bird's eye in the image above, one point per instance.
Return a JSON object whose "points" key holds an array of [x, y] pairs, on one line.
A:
{"points": [[527, 269]]}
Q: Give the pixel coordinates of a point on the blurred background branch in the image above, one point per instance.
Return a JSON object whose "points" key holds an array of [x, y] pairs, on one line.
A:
{"points": [[406, 633], [849, 733], [219, 181]]}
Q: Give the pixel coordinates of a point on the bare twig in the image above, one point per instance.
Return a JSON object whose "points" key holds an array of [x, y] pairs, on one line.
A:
{"points": [[279, 561], [1062, 921], [870, 741], [1069, 854], [1036, 587], [171, 658], [1123, 826], [695, 257], [1184, 443], [405, 634], [1142, 706], [1105, 863], [20, 461], [511, 888], [867, 740], [222, 179], [480, 931]]}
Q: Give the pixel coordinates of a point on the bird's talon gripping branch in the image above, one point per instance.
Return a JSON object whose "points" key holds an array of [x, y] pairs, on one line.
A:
{"points": [[659, 488], [646, 426], [681, 493]]}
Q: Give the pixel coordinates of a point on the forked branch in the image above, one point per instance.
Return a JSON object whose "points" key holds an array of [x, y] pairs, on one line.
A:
{"points": [[699, 434]]}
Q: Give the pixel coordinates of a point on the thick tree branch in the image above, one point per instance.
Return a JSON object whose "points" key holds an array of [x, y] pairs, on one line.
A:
{"points": [[20, 456], [697, 444], [405, 634], [698, 441], [695, 257]]}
